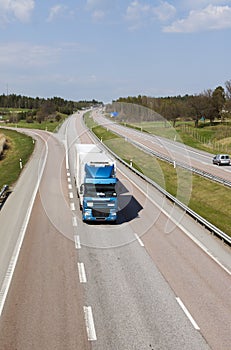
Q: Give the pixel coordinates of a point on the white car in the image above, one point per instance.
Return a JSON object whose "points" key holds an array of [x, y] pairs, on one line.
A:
{"points": [[221, 159]]}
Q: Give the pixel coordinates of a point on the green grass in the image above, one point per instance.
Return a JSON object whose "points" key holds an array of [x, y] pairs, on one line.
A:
{"points": [[89, 120], [46, 125], [212, 201], [156, 128], [213, 139], [18, 146], [102, 133], [207, 198]]}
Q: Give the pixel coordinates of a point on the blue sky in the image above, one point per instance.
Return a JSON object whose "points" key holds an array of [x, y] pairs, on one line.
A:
{"points": [[105, 49]]}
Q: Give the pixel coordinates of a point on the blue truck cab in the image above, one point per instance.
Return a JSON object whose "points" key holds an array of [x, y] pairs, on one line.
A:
{"points": [[96, 184]]}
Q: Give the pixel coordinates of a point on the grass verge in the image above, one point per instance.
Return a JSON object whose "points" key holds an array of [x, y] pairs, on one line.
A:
{"points": [[19, 146]]}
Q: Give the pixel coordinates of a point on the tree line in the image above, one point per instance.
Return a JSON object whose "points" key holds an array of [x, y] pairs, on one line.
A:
{"points": [[209, 104], [39, 109]]}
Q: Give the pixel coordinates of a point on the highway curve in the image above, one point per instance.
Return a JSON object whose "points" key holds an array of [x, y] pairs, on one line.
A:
{"points": [[43, 309]]}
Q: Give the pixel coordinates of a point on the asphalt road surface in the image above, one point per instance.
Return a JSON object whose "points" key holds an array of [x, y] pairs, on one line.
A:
{"points": [[149, 282]]}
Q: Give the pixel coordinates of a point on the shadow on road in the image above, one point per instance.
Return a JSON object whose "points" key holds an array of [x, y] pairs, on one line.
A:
{"points": [[129, 207]]}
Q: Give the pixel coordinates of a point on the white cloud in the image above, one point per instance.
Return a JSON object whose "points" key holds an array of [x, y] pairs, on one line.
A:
{"points": [[19, 9], [139, 14], [55, 12], [99, 9], [101, 5], [209, 18], [98, 15], [20, 54], [203, 3], [136, 11], [61, 11], [164, 11], [23, 54]]}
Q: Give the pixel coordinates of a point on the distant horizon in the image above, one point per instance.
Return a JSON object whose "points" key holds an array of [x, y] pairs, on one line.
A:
{"points": [[101, 101]]}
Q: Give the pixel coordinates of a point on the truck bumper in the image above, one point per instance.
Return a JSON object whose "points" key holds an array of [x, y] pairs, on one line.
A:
{"points": [[92, 216]]}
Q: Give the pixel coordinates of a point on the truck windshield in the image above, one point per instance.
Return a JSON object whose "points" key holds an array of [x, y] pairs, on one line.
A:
{"points": [[92, 190]]}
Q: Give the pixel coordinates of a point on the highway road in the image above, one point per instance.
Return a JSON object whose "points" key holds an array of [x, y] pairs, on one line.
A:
{"points": [[176, 151], [155, 280]]}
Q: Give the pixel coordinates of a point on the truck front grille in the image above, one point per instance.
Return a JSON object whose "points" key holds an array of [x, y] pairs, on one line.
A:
{"points": [[103, 213]]}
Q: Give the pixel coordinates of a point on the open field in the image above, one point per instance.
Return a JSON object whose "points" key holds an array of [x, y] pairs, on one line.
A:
{"points": [[211, 138], [19, 146], [208, 199]]}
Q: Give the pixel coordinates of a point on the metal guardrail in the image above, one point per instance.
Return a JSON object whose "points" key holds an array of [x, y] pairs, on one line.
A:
{"points": [[213, 229], [183, 165]]}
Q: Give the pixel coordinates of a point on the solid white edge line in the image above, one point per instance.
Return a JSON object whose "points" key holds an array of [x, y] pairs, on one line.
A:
{"points": [[82, 273], [194, 239], [139, 240], [201, 246], [89, 323], [10, 271], [187, 313], [77, 242], [66, 145], [66, 154]]}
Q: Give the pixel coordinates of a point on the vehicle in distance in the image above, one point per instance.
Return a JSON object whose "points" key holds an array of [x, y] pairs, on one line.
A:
{"points": [[4, 193], [221, 159], [95, 178]]}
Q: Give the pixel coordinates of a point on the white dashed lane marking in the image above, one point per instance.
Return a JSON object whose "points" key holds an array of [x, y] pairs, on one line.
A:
{"points": [[82, 273], [89, 323], [139, 240], [77, 242], [72, 206]]}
